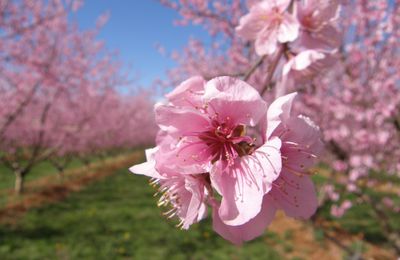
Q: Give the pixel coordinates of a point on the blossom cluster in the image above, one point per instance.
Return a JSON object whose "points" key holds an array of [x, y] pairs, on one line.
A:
{"points": [[302, 35], [221, 146]]}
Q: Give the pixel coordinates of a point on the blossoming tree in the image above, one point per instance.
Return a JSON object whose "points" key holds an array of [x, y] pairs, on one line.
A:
{"points": [[58, 90], [338, 55]]}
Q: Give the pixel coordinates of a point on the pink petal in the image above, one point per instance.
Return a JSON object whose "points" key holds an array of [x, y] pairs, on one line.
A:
{"points": [[243, 185], [147, 168], [188, 93], [294, 191], [289, 29], [326, 40], [267, 158], [266, 42], [182, 157], [241, 196], [295, 195], [192, 201], [234, 100], [249, 26], [305, 58], [301, 144], [279, 111], [180, 121], [250, 230]]}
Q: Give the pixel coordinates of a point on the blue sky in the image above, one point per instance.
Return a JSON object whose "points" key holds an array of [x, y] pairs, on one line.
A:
{"points": [[134, 28]]}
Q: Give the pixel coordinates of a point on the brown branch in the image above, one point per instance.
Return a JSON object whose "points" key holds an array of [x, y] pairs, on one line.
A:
{"points": [[335, 148], [271, 70], [253, 68]]}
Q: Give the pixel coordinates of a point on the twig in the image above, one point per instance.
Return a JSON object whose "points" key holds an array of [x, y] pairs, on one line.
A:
{"points": [[271, 70], [253, 68]]}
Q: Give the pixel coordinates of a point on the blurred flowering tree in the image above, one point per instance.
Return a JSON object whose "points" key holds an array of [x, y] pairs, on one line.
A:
{"points": [[58, 89], [339, 56]]}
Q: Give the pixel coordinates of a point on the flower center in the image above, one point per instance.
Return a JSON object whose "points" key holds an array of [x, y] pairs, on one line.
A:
{"points": [[226, 142]]}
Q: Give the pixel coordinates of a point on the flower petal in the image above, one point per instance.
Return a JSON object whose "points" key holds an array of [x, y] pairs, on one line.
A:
{"points": [[234, 100], [250, 230], [147, 168], [301, 143], [243, 185], [266, 42], [295, 195], [188, 93], [180, 121], [289, 29], [279, 111], [192, 201], [241, 191]]}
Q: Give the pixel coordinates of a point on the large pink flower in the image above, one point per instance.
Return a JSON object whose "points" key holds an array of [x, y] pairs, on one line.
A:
{"points": [[269, 23], [211, 134], [219, 144]]}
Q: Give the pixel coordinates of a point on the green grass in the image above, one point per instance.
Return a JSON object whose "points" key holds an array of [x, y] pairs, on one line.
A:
{"points": [[360, 218], [116, 218]]}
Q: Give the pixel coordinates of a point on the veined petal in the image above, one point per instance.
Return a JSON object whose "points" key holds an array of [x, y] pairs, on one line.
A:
{"points": [[193, 202], [234, 100], [250, 230], [249, 26], [241, 197], [188, 93], [266, 42], [295, 195], [147, 168], [180, 121], [267, 159], [289, 29], [279, 111], [243, 185], [301, 143]]}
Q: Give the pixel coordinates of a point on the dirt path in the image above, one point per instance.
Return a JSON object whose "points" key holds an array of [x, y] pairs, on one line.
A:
{"points": [[299, 239], [51, 189]]}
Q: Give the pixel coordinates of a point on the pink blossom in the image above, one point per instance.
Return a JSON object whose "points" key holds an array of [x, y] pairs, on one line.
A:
{"points": [[341, 210], [217, 141], [268, 23], [331, 193], [220, 137], [317, 29]]}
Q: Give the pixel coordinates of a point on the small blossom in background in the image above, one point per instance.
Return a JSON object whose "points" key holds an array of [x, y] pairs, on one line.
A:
{"points": [[269, 23], [220, 145]]}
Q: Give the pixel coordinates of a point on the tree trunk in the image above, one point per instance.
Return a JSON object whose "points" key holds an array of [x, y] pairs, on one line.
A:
{"points": [[19, 182], [60, 173]]}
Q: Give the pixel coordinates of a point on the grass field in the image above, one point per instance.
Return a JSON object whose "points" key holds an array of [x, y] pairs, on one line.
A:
{"points": [[116, 218]]}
